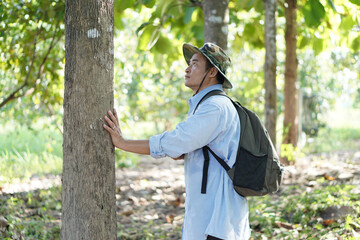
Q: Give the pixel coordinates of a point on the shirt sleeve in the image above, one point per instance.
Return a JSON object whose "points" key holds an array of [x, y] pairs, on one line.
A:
{"points": [[197, 131]]}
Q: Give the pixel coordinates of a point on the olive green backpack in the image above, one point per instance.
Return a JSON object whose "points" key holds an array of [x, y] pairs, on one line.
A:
{"points": [[257, 170]]}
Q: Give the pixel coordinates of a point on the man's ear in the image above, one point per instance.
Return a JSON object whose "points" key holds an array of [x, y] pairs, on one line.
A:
{"points": [[213, 72]]}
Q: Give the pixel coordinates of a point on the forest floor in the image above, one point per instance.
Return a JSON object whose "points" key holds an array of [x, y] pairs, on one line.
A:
{"points": [[150, 199]]}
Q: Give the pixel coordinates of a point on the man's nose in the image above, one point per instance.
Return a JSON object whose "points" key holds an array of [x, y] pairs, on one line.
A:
{"points": [[187, 69]]}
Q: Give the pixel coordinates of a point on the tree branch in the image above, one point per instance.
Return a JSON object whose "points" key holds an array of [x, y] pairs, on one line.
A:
{"points": [[14, 94], [52, 113], [196, 3], [281, 4], [41, 69]]}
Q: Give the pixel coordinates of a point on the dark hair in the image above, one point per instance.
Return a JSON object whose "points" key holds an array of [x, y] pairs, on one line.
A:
{"points": [[219, 77]]}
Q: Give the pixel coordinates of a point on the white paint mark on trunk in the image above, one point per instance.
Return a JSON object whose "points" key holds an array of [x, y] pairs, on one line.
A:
{"points": [[93, 33], [215, 19], [224, 29], [108, 67]]}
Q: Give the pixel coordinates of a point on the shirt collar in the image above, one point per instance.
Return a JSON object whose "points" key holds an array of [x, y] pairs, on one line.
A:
{"points": [[194, 100]]}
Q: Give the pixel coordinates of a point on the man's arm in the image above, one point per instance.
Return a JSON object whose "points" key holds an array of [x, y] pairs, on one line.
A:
{"points": [[134, 146]]}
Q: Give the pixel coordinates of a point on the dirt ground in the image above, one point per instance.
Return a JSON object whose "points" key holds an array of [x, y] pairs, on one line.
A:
{"points": [[152, 193]]}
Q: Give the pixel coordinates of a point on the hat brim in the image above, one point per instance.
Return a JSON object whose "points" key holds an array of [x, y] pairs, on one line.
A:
{"points": [[189, 50]]}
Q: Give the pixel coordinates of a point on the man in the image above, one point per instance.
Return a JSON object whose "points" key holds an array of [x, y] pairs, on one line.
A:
{"points": [[220, 213]]}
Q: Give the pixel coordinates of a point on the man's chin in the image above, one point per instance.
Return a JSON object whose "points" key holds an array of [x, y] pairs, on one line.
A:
{"points": [[189, 86]]}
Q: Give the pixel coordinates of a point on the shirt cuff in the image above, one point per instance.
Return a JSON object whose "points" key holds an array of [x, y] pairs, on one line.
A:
{"points": [[155, 146]]}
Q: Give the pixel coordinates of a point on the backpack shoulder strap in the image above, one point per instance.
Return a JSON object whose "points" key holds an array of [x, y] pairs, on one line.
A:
{"points": [[206, 149], [209, 94], [243, 116]]}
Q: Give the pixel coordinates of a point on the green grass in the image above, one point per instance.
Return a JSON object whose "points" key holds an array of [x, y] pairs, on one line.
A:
{"points": [[341, 117], [36, 140], [25, 152], [334, 139], [342, 132]]}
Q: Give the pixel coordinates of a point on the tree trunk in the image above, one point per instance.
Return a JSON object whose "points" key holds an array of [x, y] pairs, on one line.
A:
{"points": [[216, 21], [88, 180], [290, 91], [270, 69]]}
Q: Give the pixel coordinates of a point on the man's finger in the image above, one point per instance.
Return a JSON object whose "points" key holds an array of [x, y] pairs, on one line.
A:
{"points": [[110, 130], [114, 120], [116, 116], [111, 123]]}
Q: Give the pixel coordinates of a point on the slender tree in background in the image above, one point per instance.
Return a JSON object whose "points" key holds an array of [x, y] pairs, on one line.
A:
{"points": [[88, 180], [290, 90], [216, 21], [270, 69]]}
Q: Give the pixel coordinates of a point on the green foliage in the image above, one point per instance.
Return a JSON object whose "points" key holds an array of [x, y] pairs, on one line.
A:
{"points": [[248, 26], [254, 34], [31, 215], [246, 5], [356, 2], [125, 159], [316, 23], [247, 77], [35, 214], [146, 83], [300, 211], [31, 58], [177, 16], [289, 152], [318, 90], [162, 28], [314, 12], [355, 45], [356, 103], [334, 139], [323, 79]]}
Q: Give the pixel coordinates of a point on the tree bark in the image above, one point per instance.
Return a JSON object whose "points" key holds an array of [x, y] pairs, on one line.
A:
{"points": [[216, 21], [290, 90], [270, 69], [88, 180]]}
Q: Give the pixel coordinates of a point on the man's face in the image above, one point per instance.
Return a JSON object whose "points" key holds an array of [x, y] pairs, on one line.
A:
{"points": [[195, 71]]}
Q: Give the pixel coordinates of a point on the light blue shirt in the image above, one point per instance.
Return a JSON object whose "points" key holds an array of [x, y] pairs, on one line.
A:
{"points": [[221, 212]]}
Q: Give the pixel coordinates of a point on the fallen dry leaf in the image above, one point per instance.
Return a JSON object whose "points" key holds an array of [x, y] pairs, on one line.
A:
{"points": [[178, 201], [327, 177], [284, 225], [4, 223], [127, 213], [328, 222], [170, 218]]}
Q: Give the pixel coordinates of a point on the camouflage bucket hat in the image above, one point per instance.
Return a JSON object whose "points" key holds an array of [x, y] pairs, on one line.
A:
{"points": [[214, 54]]}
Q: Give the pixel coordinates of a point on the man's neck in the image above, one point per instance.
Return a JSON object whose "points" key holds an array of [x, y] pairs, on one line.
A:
{"points": [[204, 86]]}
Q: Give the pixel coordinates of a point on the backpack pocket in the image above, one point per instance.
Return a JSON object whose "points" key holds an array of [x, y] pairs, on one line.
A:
{"points": [[250, 170]]}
